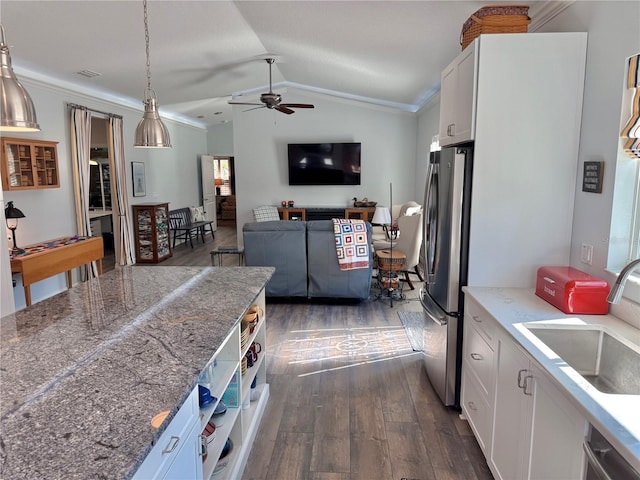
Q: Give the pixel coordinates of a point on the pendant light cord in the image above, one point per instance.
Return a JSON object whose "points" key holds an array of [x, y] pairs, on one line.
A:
{"points": [[146, 41]]}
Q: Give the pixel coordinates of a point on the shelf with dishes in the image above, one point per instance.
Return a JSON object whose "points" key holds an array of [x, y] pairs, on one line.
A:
{"points": [[235, 397]]}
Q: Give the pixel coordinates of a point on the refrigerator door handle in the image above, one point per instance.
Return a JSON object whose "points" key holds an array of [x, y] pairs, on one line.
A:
{"points": [[440, 320], [430, 233]]}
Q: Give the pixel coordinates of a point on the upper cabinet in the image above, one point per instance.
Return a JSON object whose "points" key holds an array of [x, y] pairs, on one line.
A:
{"points": [[458, 98], [29, 164]]}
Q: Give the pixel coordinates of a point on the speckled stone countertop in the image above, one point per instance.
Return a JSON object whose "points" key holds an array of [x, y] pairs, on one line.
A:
{"points": [[83, 373], [615, 416]]}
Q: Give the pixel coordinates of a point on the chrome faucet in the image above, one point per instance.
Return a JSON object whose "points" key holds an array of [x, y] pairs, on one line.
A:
{"points": [[618, 286]]}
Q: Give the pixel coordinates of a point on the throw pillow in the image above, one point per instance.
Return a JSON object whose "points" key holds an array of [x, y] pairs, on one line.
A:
{"points": [[412, 211], [197, 214], [266, 213]]}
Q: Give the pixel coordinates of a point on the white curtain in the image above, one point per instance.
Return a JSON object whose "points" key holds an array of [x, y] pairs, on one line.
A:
{"points": [[120, 204], [81, 146]]}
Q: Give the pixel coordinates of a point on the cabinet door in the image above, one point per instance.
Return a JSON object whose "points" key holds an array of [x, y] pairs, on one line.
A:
{"points": [[188, 461], [557, 433], [458, 99], [512, 418]]}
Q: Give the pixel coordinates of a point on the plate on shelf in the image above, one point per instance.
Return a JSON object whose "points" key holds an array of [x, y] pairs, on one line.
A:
{"points": [[223, 461], [220, 408]]}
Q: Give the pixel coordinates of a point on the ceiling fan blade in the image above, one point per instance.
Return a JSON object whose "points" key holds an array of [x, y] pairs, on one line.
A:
{"points": [[283, 109], [231, 102], [254, 108], [297, 105]]}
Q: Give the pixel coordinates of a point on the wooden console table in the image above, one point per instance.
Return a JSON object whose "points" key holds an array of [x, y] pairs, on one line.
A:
{"points": [[50, 258], [300, 213]]}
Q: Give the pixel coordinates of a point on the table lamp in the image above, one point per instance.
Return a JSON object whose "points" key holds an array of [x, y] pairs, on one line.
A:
{"points": [[382, 216], [218, 182], [11, 215]]}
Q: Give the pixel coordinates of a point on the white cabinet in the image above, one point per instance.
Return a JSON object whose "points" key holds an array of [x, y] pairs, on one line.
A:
{"points": [[175, 445], [183, 450], [458, 98], [512, 419], [537, 432], [478, 367]]}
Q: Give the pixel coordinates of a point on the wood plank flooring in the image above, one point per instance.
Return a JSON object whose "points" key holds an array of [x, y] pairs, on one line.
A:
{"points": [[349, 397]]}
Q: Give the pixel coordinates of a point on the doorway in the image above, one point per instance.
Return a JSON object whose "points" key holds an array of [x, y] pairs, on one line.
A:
{"points": [[100, 188], [224, 174]]}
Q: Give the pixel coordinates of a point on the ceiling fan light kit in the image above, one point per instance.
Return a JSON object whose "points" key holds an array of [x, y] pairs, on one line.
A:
{"points": [[150, 132], [273, 100]]}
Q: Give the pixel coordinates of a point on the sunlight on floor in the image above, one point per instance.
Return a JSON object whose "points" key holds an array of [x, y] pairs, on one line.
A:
{"points": [[324, 350]]}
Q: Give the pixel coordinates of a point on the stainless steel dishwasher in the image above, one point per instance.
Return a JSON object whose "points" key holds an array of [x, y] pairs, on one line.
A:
{"points": [[604, 462]]}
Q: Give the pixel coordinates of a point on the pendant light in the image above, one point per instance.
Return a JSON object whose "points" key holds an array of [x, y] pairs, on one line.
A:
{"points": [[17, 113], [150, 132]]}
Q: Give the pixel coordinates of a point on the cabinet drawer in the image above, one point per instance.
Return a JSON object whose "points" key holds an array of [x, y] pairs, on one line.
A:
{"points": [[478, 358], [172, 440], [477, 409], [481, 320]]}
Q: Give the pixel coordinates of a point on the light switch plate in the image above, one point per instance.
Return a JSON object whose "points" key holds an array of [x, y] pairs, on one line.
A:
{"points": [[586, 254]]}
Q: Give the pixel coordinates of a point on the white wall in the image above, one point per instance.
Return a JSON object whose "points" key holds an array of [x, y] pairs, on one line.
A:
{"points": [[260, 144], [220, 140], [50, 213], [428, 126]]}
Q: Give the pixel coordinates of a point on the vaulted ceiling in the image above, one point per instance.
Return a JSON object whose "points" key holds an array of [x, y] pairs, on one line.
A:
{"points": [[204, 52]]}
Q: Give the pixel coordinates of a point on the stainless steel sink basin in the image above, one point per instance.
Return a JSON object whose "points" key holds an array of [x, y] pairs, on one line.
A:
{"points": [[610, 364]]}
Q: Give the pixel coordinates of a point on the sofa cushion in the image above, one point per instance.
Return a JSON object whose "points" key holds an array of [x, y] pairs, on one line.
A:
{"points": [[325, 277], [280, 244]]}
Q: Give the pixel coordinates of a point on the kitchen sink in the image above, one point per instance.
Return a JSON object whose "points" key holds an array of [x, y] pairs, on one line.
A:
{"points": [[609, 363]]}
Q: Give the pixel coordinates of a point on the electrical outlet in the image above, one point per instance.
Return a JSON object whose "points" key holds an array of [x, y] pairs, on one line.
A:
{"points": [[586, 254]]}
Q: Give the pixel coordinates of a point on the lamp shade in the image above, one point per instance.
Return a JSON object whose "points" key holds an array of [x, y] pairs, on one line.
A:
{"points": [[151, 132], [12, 212], [17, 113], [218, 181], [381, 216]]}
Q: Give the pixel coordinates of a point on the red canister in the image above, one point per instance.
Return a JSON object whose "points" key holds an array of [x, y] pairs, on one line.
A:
{"points": [[572, 290]]}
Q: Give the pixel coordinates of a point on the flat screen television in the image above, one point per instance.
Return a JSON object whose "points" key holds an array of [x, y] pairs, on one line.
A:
{"points": [[324, 163]]}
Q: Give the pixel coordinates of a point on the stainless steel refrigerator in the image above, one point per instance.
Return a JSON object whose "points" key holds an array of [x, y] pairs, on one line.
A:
{"points": [[444, 261]]}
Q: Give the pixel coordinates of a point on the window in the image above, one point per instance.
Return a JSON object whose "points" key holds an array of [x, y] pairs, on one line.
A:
{"points": [[223, 172], [624, 238]]}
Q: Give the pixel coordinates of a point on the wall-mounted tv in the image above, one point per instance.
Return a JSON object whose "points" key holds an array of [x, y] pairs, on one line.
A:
{"points": [[324, 163]]}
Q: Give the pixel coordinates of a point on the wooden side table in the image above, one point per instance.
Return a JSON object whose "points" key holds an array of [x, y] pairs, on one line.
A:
{"points": [[53, 257], [288, 213]]}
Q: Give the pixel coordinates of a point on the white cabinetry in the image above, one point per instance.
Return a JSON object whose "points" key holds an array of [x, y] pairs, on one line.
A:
{"points": [[478, 372], [183, 450], [458, 98], [537, 433]]}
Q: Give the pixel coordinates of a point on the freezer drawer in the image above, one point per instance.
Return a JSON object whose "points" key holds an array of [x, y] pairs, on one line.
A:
{"points": [[439, 349]]}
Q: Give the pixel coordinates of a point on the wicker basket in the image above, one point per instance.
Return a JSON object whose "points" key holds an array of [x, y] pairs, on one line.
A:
{"points": [[495, 19], [390, 261]]}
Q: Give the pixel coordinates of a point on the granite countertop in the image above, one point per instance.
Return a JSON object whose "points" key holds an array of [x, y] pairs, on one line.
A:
{"points": [[83, 373], [615, 416]]}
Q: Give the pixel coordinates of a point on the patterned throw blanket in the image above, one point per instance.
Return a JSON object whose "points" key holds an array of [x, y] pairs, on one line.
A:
{"points": [[352, 244]]}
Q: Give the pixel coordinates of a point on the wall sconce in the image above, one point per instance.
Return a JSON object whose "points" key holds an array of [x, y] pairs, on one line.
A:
{"points": [[11, 215]]}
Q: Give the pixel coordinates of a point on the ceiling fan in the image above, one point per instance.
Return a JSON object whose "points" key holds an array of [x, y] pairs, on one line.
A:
{"points": [[272, 100]]}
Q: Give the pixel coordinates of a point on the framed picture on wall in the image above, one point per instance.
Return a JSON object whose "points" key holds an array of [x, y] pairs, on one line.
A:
{"points": [[137, 173]]}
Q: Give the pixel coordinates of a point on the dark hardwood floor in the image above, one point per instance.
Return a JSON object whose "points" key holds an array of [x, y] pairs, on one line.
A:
{"points": [[349, 397]]}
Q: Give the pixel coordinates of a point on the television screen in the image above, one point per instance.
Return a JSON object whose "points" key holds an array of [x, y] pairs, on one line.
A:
{"points": [[324, 163]]}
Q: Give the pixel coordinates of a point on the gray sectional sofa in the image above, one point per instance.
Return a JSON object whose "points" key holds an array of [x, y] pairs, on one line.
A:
{"points": [[304, 255]]}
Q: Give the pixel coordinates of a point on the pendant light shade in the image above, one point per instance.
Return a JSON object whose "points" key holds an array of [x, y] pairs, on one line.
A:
{"points": [[17, 113], [150, 132]]}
